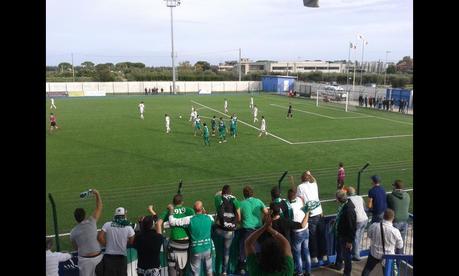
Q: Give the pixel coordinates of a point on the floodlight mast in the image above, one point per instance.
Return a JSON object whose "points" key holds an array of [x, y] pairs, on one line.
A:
{"points": [[172, 4]]}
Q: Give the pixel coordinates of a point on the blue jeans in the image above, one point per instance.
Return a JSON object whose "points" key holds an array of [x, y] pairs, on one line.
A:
{"points": [[301, 250], [342, 253], [244, 234], [358, 238], [403, 228], [227, 237], [317, 242], [196, 260]]}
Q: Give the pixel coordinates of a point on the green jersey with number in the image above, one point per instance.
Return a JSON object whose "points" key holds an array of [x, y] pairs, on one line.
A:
{"points": [[177, 232]]}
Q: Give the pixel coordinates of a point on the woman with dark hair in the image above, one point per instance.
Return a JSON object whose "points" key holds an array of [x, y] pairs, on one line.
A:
{"points": [[148, 245], [275, 258]]}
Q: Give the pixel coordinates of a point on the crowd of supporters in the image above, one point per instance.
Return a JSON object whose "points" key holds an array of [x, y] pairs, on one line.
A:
{"points": [[284, 239]]}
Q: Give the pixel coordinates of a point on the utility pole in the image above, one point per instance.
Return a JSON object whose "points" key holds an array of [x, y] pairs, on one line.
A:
{"points": [[172, 4], [73, 70], [239, 65], [364, 42], [385, 69]]}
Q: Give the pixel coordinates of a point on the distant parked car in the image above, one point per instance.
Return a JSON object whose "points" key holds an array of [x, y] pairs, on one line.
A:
{"points": [[333, 88]]}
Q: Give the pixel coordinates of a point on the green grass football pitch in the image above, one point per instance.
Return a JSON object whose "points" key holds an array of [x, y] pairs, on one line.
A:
{"points": [[102, 143]]}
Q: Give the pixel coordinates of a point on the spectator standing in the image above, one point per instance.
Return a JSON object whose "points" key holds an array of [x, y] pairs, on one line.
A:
{"points": [[399, 201], [345, 226], [84, 238], [275, 257], [252, 210], [300, 237], [200, 229], [148, 244], [376, 199], [308, 191], [228, 215], [177, 250], [284, 205], [116, 235], [361, 221], [392, 240], [54, 258], [284, 225], [366, 101], [341, 176]]}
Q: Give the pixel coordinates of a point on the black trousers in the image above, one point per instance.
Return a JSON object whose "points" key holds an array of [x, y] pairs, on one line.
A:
{"points": [[370, 265], [114, 265]]}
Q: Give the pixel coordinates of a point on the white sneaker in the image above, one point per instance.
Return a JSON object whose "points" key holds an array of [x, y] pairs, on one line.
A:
{"points": [[314, 260]]}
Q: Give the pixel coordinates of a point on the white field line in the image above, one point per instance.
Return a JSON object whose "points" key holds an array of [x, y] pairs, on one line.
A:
{"points": [[355, 117], [269, 133], [352, 139], [313, 113], [377, 117], [322, 201]]}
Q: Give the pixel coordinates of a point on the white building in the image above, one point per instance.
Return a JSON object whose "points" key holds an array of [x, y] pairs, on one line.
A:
{"points": [[291, 66]]}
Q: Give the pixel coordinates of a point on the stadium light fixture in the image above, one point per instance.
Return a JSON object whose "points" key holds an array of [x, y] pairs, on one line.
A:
{"points": [[172, 4]]}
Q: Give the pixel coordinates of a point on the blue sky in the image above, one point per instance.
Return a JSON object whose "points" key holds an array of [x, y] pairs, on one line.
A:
{"points": [[212, 30]]}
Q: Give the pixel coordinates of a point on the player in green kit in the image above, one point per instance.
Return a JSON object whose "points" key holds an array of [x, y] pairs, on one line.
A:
{"points": [[206, 135], [233, 127], [213, 124], [197, 125], [222, 131]]}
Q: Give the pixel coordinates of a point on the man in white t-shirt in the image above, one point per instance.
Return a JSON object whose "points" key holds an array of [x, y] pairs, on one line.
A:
{"points": [[54, 258], [116, 235], [168, 122], [308, 191], [263, 127], [52, 104], [392, 240], [141, 109], [226, 106], [362, 220]]}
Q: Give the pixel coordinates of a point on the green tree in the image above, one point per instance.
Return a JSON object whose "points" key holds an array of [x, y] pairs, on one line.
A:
{"points": [[64, 66], [391, 69], [88, 65], [201, 66]]}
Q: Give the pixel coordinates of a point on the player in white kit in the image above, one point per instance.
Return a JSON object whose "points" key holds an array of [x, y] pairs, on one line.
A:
{"points": [[141, 108], [226, 106], [193, 116], [251, 103], [263, 127], [168, 122], [255, 113], [52, 104], [192, 113]]}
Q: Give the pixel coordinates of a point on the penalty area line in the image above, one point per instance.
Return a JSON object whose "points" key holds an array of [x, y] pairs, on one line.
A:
{"points": [[352, 139]]}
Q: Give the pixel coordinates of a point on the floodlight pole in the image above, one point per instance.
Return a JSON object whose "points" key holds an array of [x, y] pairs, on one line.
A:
{"points": [[385, 69], [363, 50], [172, 4], [239, 65], [353, 78], [73, 70]]}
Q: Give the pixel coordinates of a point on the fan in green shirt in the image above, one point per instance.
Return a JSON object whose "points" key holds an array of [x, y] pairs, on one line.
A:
{"points": [[179, 211]]}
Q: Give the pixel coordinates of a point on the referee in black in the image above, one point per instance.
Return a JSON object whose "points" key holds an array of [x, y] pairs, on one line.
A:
{"points": [[289, 112]]}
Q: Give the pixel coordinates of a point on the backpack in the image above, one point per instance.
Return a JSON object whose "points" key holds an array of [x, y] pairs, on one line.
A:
{"points": [[227, 214]]}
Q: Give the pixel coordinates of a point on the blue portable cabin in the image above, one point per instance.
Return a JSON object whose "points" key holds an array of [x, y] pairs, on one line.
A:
{"points": [[397, 94], [279, 84]]}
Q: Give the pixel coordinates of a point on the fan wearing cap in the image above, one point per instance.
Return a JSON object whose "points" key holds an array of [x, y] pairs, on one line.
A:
{"points": [[116, 235], [376, 199]]}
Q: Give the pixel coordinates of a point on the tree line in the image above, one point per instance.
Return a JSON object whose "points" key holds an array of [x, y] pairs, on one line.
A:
{"points": [[399, 75]]}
